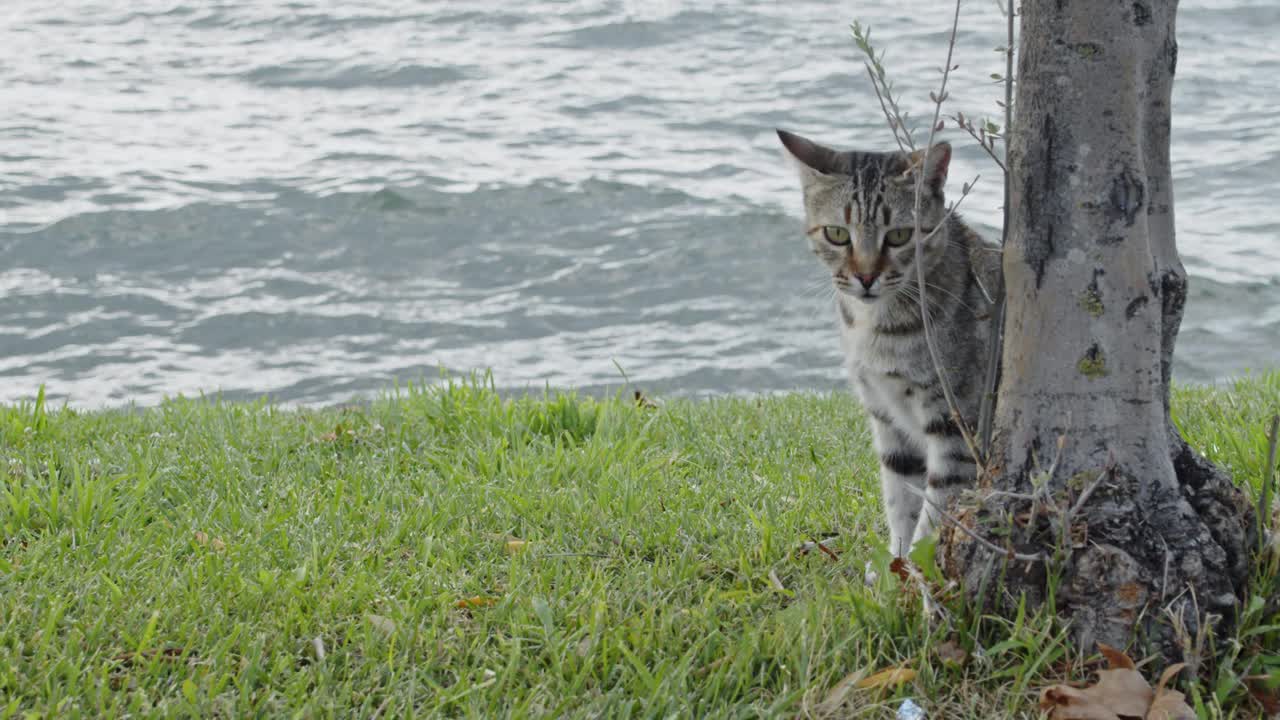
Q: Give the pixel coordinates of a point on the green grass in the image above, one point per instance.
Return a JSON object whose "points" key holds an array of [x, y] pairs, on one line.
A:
{"points": [[189, 560]]}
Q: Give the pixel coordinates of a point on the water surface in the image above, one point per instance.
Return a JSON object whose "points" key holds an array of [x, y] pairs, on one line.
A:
{"points": [[315, 200]]}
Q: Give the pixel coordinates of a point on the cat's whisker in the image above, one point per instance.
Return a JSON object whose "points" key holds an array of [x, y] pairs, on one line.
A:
{"points": [[933, 298], [931, 287], [818, 288], [958, 244], [932, 301]]}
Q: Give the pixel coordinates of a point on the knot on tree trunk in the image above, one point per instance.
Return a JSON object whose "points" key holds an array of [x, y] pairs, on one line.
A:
{"points": [[1225, 511]]}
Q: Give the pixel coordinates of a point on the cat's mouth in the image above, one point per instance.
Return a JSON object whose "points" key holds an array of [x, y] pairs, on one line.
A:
{"points": [[866, 295], [868, 288]]}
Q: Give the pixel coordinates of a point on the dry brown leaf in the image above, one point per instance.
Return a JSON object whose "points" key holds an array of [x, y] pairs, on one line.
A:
{"points": [[901, 568], [828, 551], [950, 653], [479, 601], [1120, 693], [1067, 703], [643, 401], [1125, 691], [1064, 702], [386, 626], [1168, 675], [339, 431], [892, 677], [1116, 660], [836, 695], [216, 543], [1170, 704]]}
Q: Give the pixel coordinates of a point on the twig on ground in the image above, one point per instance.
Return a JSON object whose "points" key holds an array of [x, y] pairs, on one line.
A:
{"points": [[1025, 497], [829, 552]]}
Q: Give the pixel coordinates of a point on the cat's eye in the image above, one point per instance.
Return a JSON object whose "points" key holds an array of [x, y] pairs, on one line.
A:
{"points": [[897, 237], [836, 235]]}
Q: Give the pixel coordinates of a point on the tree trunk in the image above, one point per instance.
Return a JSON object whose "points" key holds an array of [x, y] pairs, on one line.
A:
{"points": [[1094, 292]]}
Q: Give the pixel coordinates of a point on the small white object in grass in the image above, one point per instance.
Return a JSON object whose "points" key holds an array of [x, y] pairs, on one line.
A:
{"points": [[909, 710], [318, 644], [870, 576], [776, 582]]}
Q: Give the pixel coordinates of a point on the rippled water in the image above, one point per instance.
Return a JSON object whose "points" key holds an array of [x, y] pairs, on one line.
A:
{"points": [[314, 200]]}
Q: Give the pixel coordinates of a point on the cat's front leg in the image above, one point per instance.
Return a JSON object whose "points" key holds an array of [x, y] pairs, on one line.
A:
{"points": [[951, 469], [902, 464]]}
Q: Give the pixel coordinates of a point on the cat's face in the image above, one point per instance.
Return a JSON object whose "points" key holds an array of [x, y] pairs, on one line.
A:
{"points": [[859, 210]]}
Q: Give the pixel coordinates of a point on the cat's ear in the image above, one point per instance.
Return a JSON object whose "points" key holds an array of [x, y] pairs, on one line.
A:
{"points": [[812, 157], [935, 165]]}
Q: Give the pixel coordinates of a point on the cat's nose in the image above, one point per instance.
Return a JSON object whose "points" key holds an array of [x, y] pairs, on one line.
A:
{"points": [[866, 280]]}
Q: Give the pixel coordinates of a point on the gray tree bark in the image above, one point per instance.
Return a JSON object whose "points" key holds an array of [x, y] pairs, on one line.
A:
{"points": [[1095, 291]]}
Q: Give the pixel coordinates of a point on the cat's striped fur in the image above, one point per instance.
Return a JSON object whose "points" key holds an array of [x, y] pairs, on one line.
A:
{"points": [[859, 208]]}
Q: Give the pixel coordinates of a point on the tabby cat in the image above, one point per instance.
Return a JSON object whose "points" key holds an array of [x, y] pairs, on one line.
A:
{"points": [[859, 209]]}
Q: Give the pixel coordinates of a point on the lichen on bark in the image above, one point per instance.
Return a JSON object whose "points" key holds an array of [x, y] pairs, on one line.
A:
{"points": [[1091, 302], [1093, 364]]}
